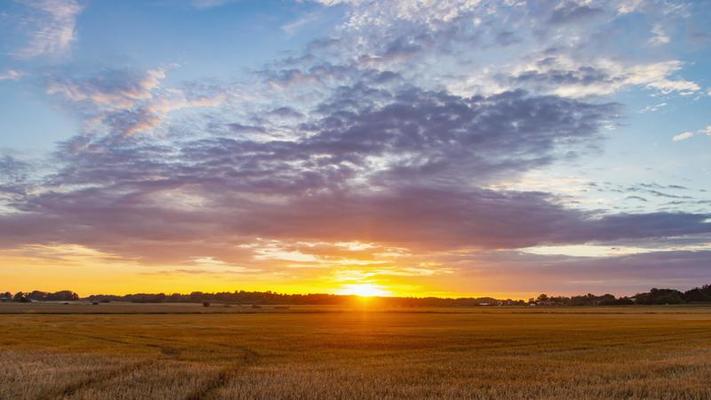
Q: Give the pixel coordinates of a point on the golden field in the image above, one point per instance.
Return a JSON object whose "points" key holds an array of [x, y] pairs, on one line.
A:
{"points": [[132, 351]]}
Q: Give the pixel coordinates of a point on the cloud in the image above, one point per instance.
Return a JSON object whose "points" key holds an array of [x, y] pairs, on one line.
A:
{"points": [[653, 108], [13, 169], [621, 275], [421, 218], [568, 48], [683, 136], [112, 89], [54, 27], [126, 102], [689, 134], [572, 12], [564, 76], [629, 6], [11, 75], [401, 167], [367, 14], [123, 219], [347, 148], [660, 37], [15, 176], [61, 253], [296, 25]]}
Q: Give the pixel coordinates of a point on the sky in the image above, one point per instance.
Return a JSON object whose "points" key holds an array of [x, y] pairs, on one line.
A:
{"points": [[403, 147]]}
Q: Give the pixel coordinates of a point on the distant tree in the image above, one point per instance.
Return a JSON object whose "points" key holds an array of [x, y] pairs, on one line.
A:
{"points": [[20, 298], [587, 300], [624, 301], [62, 295], [660, 296], [559, 300], [699, 294], [542, 297], [607, 300], [37, 295]]}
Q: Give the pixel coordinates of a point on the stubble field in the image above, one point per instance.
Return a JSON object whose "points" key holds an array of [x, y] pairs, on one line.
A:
{"points": [[187, 352]]}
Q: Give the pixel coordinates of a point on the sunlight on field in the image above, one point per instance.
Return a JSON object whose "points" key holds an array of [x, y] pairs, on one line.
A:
{"points": [[325, 353]]}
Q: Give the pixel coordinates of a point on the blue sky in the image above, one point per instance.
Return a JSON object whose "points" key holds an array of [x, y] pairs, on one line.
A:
{"points": [[414, 147], [201, 42]]}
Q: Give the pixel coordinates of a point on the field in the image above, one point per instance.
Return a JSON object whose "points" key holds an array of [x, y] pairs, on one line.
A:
{"points": [[113, 351]]}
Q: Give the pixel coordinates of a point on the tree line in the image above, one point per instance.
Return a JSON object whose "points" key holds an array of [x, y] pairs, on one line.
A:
{"points": [[37, 295], [654, 296]]}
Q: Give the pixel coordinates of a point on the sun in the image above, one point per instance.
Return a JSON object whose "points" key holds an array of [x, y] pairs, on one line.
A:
{"points": [[364, 290]]}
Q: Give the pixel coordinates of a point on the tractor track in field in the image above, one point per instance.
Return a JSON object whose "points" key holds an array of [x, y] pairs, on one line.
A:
{"points": [[103, 376], [249, 358]]}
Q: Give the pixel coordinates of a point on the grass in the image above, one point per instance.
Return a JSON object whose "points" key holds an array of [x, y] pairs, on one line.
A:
{"points": [[186, 352]]}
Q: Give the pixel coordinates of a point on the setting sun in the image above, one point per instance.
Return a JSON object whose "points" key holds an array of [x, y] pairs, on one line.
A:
{"points": [[364, 290]]}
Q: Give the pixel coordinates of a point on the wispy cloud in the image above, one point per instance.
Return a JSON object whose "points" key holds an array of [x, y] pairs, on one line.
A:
{"points": [[53, 27], [689, 134], [683, 136], [11, 75], [293, 27], [653, 107], [567, 77], [659, 37], [113, 89], [126, 102]]}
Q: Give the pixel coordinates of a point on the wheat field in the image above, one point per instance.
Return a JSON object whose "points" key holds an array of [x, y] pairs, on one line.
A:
{"points": [[183, 352]]}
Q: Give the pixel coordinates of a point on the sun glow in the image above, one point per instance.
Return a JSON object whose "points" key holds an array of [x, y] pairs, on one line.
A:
{"points": [[364, 290]]}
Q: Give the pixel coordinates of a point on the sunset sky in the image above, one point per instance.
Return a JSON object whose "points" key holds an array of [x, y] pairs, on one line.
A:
{"points": [[396, 147]]}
